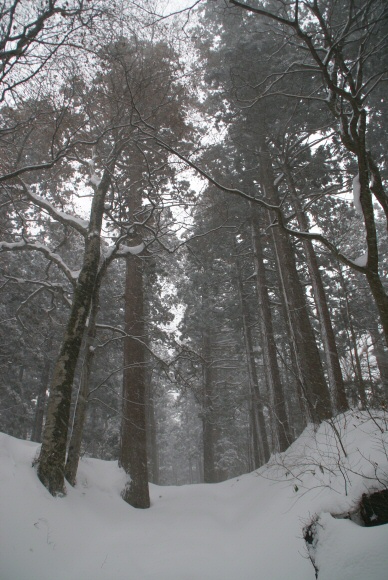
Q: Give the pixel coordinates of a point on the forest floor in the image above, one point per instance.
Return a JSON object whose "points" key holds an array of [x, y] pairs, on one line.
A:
{"points": [[247, 528]]}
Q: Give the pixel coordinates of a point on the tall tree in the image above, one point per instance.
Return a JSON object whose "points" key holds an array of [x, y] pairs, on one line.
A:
{"points": [[347, 56]]}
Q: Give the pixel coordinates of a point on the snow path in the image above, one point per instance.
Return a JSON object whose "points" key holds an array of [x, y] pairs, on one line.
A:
{"points": [[248, 528]]}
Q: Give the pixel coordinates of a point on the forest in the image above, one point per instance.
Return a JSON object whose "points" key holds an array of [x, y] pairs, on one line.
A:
{"points": [[193, 230]]}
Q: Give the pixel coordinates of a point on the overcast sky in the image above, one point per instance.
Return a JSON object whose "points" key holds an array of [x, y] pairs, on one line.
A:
{"points": [[173, 5]]}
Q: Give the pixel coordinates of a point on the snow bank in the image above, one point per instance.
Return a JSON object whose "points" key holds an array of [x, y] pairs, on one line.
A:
{"points": [[250, 527]]}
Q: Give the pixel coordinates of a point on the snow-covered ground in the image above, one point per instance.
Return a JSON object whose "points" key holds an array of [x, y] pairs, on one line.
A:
{"points": [[248, 528]]}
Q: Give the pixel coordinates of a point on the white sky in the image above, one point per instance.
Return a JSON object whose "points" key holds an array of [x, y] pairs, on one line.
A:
{"points": [[173, 5]]}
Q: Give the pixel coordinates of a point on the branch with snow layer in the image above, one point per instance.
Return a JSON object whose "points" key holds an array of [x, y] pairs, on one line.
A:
{"points": [[60, 216], [38, 247]]}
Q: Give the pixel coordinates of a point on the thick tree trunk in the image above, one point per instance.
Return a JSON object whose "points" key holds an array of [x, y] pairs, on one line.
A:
{"points": [[309, 363], [334, 373], [271, 367], [366, 176], [74, 451], [381, 299], [133, 453], [51, 463]]}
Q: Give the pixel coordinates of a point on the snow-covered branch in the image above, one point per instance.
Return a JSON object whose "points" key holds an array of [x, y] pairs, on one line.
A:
{"points": [[64, 218], [24, 245]]}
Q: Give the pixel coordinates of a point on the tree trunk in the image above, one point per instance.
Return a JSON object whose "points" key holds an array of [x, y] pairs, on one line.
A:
{"points": [[36, 434], [334, 373], [260, 447], [133, 452], [381, 357], [366, 175], [208, 418], [271, 367], [309, 363], [356, 363], [51, 463], [74, 451]]}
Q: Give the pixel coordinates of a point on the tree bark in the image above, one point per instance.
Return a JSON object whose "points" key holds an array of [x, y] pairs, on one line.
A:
{"points": [[36, 434], [381, 357], [271, 367], [74, 451], [133, 452], [208, 418], [356, 363], [51, 462], [334, 373], [309, 363]]}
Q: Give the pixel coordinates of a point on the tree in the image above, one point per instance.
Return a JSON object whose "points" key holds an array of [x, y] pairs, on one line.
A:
{"points": [[343, 53], [33, 32], [260, 447], [121, 135]]}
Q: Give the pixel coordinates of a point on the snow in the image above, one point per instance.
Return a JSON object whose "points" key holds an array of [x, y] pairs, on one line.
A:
{"points": [[124, 250], [95, 180], [75, 274], [134, 250], [350, 536], [250, 527], [76, 222], [356, 195], [361, 260]]}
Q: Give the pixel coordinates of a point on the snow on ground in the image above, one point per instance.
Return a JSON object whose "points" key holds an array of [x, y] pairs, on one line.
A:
{"points": [[248, 528]]}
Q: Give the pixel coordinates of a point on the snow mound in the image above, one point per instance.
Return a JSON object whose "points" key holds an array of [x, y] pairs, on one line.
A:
{"points": [[249, 527]]}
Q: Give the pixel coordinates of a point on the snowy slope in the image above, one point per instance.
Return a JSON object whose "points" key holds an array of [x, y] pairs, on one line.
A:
{"points": [[248, 528]]}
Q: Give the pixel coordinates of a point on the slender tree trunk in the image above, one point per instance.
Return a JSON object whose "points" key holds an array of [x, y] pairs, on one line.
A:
{"points": [[297, 412], [208, 417], [133, 453], [336, 383], [357, 368], [51, 463], [356, 363], [260, 447], [309, 363], [271, 367]]}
